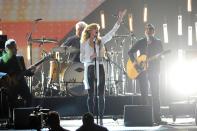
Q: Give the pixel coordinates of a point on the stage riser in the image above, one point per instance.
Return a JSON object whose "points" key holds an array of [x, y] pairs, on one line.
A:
{"points": [[76, 106]]}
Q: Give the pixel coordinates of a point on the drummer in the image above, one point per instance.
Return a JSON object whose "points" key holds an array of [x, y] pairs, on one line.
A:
{"points": [[74, 41]]}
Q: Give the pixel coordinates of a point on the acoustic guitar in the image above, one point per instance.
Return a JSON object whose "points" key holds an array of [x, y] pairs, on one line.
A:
{"points": [[134, 69]]}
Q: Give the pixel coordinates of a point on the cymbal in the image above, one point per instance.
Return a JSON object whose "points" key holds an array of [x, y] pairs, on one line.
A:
{"points": [[68, 49], [59, 49], [44, 40]]}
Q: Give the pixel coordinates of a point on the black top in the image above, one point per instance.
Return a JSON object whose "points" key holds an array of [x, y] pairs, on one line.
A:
{"points": [[59, 128], [73, 41], [93, 127], [152, 49], [15, 65]]}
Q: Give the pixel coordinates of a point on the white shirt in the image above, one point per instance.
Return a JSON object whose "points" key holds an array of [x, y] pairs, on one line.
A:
{"points": [[86, 51]]}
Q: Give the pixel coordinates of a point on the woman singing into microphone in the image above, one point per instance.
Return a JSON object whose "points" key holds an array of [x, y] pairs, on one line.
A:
{"points": [[92, 48]]}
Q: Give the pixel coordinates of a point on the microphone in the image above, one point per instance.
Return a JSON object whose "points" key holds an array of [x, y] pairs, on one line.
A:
{"points": [[39, 19], [94, 40]]}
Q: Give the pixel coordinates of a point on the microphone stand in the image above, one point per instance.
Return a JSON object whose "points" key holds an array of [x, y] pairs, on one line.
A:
{"points": [[95, 82], [108, 70]]}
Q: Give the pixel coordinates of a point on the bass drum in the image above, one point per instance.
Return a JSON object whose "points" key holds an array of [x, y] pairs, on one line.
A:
{"points": [[72, 81]]}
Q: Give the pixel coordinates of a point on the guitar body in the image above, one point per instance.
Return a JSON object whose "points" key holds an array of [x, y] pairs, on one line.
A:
{"points": [[132, 71], [142, 61]]}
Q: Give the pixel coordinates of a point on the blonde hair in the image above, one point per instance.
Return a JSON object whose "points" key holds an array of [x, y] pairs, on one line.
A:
{"points": [[86, 32]]}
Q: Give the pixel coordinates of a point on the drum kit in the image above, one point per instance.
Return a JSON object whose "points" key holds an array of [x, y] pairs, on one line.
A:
{"points": [[65, 76]]}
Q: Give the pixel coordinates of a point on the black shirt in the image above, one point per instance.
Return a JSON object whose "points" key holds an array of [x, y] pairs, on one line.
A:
{"points": [[152, 49], [93, 127], [73, 41]]}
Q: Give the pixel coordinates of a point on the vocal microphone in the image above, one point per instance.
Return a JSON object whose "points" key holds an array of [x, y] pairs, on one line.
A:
{"points": [[94, 40], [39, 19]]}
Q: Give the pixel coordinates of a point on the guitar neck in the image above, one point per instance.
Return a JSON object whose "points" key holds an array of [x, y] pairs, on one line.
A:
{"points": [[158, 55], [154, 57], [39, 62]]}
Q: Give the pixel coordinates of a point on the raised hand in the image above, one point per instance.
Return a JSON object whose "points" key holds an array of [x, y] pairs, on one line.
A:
{"points": [[121, 14]]}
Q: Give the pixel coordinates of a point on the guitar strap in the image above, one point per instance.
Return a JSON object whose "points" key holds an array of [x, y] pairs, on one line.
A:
{"points": [[146, 50]]}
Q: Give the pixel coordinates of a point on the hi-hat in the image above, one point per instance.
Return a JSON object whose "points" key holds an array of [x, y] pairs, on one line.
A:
{"points": [[44, 40], [68, 49]]}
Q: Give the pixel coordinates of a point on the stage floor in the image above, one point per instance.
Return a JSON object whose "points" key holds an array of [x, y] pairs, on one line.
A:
{"points": [[181, 124]]}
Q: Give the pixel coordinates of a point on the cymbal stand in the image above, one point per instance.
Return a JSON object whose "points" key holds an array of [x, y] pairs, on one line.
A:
{"points": [[108, 76], [116, 74], [43, 54], [124, 80], [112, 74], [121, 68], [29, 42]]}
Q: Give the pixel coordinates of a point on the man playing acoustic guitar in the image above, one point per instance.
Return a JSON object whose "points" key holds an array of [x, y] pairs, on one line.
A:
{"points": [[147, 72]]}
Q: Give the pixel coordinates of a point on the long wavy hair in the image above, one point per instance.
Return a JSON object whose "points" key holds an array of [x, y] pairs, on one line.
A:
{"points": [[86, 33]]}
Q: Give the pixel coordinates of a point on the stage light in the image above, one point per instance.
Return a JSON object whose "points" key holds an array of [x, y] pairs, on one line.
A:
{"points": [[102, 15], [138, 53], [180, 25], [165, 32], [28, 52], [189, 5], [189, 35], [130, 17], [145, 13], [182, 77], [57, 56], [182, 74], [1, 31], [196, 29]]}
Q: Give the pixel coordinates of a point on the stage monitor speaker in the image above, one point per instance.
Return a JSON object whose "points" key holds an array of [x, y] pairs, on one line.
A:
{"points": [[22, 117], [138, 115]]}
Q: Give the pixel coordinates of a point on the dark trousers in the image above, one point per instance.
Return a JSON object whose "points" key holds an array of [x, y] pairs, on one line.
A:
{"points": [[21, 89], [151, 79], [91, 101]]}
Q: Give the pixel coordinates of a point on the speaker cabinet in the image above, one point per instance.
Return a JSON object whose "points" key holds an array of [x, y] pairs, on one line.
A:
{"points": [[22, 117], [138, 115]]}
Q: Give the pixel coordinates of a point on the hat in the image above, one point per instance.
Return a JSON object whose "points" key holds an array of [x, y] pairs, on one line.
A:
{"points": [[10, 42]]}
